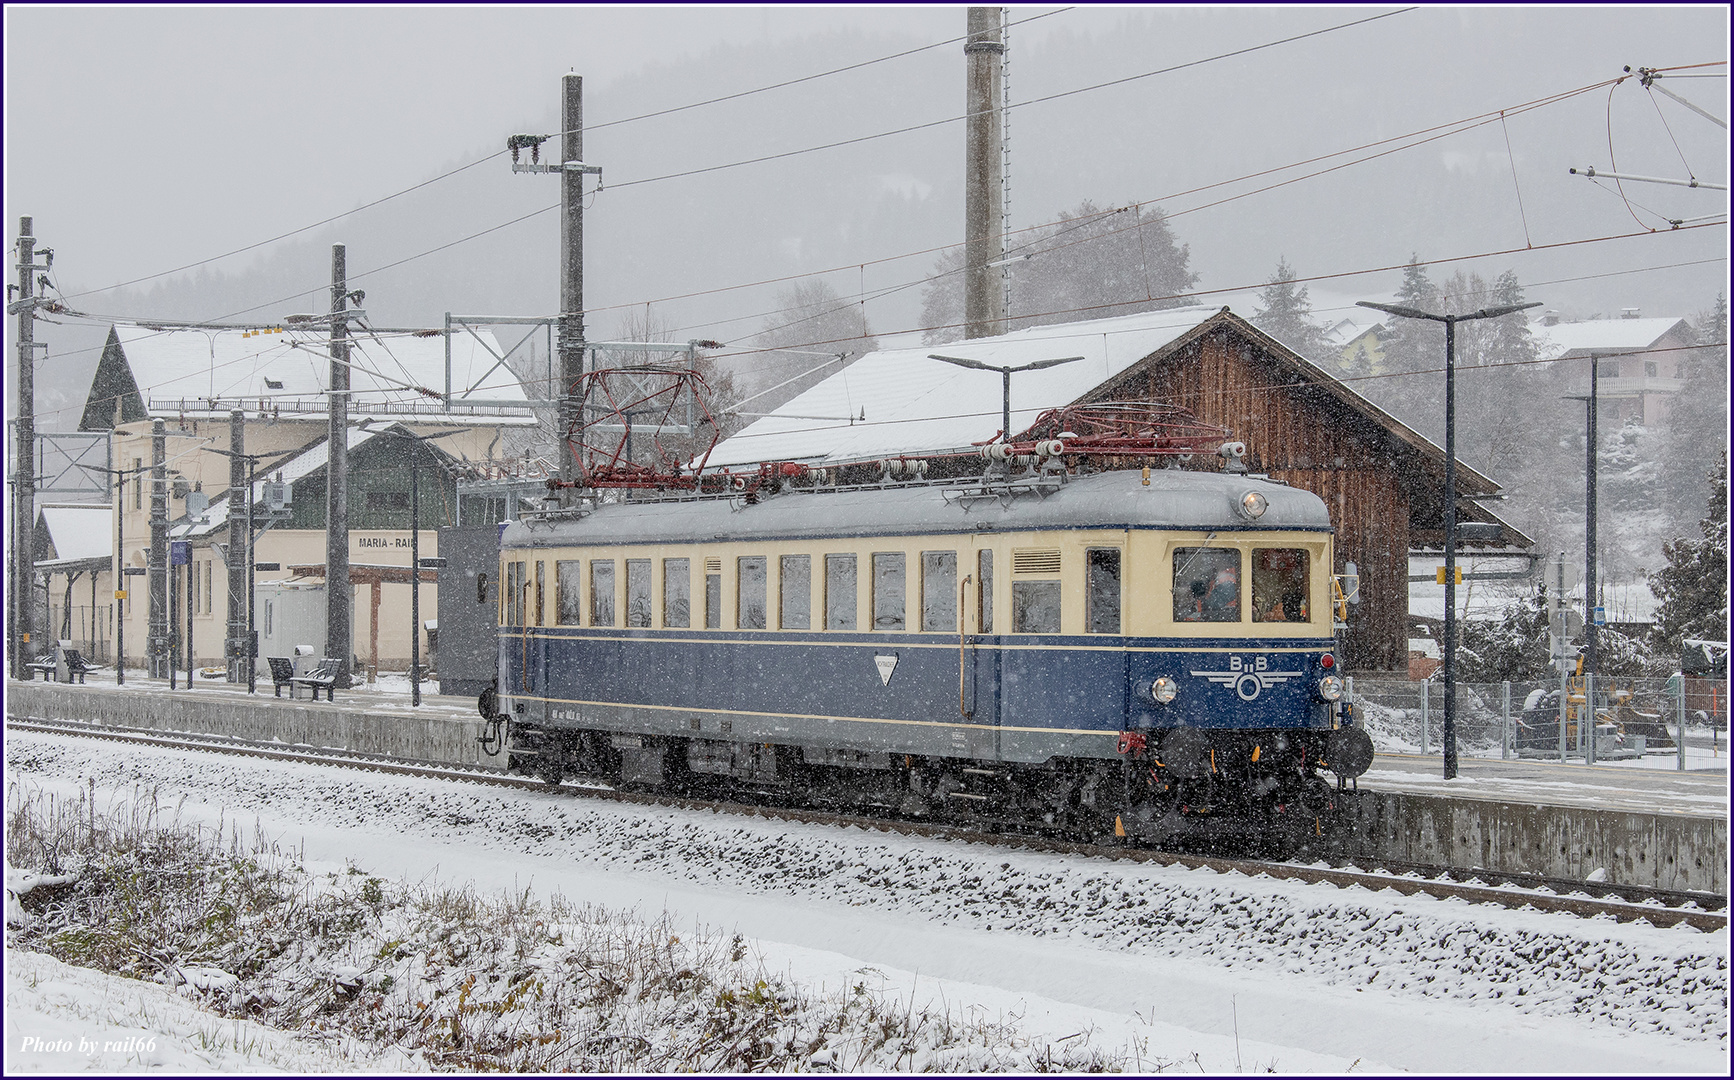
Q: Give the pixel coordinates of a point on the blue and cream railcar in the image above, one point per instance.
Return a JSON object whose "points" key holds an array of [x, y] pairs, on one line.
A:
{"points": [[1150, 648]]}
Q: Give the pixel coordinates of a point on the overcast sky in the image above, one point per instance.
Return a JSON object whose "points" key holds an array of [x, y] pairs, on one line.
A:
{"points": [[143, 139]]}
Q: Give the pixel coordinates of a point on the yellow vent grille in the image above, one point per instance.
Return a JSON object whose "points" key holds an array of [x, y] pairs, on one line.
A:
{"points": [[1035, 560], [713, 565]]}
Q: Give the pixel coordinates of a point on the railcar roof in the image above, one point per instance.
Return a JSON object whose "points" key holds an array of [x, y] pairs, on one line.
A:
{"points": [[1174, 499]]}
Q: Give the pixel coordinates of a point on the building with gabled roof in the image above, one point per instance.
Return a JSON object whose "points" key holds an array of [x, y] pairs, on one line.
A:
{"points": [[1383, 481], [193, 379], [1643, 363]]}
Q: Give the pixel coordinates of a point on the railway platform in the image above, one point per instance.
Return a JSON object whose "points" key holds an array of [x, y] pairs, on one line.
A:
{"points": [[1634, 822]]}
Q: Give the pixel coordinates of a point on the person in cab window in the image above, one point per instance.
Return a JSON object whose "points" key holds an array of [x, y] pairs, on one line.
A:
{"points": [[1222, 602]]}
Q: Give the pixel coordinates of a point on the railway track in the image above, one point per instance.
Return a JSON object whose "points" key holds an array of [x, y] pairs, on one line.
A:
{"points": [[1626, 903]]}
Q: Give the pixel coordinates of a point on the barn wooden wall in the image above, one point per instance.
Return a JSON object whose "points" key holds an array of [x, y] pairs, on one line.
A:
{"points": [[1301, 434]]}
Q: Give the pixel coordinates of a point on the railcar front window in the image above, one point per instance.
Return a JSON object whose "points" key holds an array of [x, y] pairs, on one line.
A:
{"points": [[1206, 584], [676, 593], [796, 592], [601, 592], [1102, 590], [637, 592], [939, 592], [1279, 585], [889, 589], [1035, 607], [839, 592], [750, 592]]}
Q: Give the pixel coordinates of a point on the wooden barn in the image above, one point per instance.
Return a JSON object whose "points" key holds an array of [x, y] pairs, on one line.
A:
{"points": [[1384, 482]]}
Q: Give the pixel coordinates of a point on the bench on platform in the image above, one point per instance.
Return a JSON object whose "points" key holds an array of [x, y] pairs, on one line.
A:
{"points": [[282, 672], [45, 664], [76, 665], [323, 676]]}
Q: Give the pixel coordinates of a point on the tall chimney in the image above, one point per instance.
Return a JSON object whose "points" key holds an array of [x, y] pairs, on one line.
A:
{"points": [[983, 238]]}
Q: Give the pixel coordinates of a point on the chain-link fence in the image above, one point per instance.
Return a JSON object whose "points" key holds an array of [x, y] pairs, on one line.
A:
{"points": [[1634, 719]]}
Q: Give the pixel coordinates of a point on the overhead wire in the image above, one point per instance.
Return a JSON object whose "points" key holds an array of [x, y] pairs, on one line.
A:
{"points": [[529, 384], [500, 153]]}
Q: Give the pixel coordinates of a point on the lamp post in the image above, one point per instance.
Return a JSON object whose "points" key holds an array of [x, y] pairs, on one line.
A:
{"points": [[1591, 437], [1449, 734], [1005, 374]]}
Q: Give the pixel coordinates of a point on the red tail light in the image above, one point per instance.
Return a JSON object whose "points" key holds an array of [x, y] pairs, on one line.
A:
{"points": [[1327, 660]]}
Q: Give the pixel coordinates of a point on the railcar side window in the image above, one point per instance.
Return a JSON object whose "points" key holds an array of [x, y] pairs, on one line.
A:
{"points": [[713, 594], [513, 594], [569, 583], [839, 592], [890, 586], [676, 593], [1102, 590], [750, 592], [1279, 585], [984, 563], [541, 591], [1035, 607], [637, 592], [601, 592], [1206, 584], [939, 592], [796, 592]]}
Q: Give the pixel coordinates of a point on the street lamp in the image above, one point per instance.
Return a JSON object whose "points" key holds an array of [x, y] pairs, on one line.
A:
{"points": [[1006, 374], [1450, 321]]}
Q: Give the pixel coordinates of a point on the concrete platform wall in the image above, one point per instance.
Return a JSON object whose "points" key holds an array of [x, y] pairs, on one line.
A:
{"points": [[1662, 850], [1669, 851], [401, 733]]}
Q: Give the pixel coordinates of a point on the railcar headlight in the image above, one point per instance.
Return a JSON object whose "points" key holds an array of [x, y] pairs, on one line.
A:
{"points": [[1253, 505], [1331, 688], [1164, 690]]}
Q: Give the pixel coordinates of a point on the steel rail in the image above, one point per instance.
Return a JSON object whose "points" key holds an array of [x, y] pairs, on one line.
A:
{"points": [[1661, 907]]}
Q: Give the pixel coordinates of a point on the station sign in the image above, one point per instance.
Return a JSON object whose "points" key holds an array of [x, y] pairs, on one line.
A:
{"points": [[180, 552]]}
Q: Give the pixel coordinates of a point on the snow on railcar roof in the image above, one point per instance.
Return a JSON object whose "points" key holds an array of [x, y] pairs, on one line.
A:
{"points": [[1174, 499]]}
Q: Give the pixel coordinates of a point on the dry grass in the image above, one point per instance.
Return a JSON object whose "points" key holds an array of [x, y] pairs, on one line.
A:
{"points": [[466, 981]]}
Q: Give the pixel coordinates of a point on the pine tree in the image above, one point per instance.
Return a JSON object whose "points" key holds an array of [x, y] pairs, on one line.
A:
{"points": [[1285, 313], [1513, 647], [1693, 587], [1091, 264]]}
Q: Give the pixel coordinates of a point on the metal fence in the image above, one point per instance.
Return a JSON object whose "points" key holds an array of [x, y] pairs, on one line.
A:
{"points": [[1634, 718]]}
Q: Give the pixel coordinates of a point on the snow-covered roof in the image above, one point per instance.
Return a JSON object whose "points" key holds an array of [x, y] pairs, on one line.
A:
{"points": [[79, 532], [179, 369], [913, 404], [1599, 335]]}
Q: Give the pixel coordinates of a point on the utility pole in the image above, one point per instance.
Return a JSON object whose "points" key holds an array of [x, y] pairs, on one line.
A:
{"points": [[571, 339], [338, 612], [569, 342], [983, 175], [157, 656], [24, 479], [236, 644]]}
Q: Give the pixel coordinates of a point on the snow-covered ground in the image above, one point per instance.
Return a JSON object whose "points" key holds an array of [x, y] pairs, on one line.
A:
{"points": [[1223, 973]]}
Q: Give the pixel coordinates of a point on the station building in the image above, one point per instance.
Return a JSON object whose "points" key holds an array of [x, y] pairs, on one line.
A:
{"points": [[416, 405]]}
